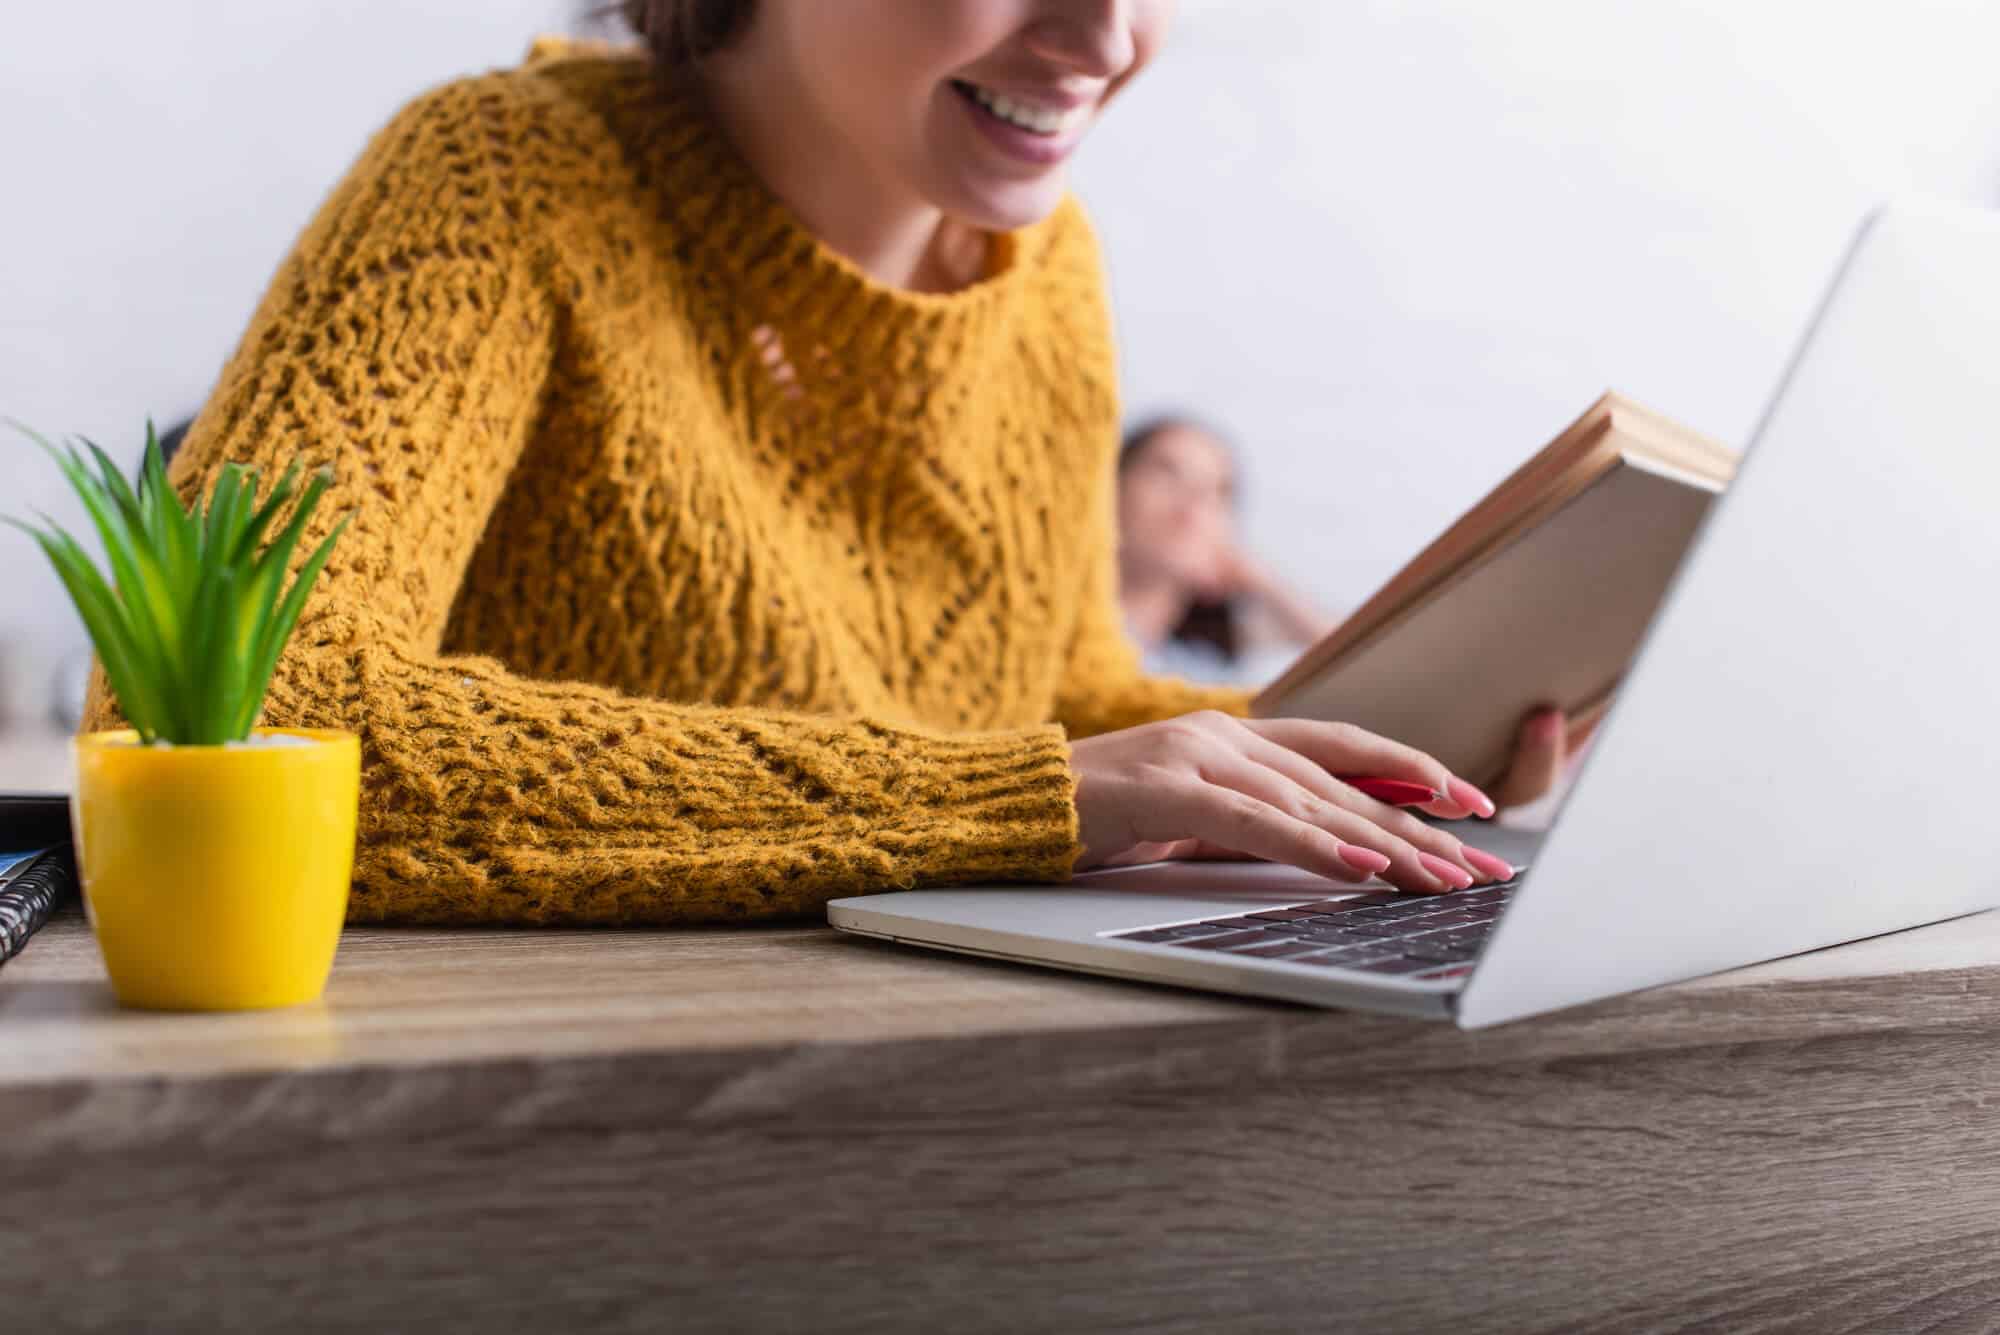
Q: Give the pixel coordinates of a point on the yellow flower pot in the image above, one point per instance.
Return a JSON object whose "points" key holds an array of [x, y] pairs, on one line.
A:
{"points": [[216, 877]]}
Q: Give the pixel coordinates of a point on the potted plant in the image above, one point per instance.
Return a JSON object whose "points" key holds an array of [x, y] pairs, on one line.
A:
{"points": [[215, 855]]}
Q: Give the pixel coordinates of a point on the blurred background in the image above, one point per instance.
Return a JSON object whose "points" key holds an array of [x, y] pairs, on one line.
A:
{"points": [[1389, 246]]}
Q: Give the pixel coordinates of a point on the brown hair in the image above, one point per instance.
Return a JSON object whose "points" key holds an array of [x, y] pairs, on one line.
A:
{"points": [[681, 32]]}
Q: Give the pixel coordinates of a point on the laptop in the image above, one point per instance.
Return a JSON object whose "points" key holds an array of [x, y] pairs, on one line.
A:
{"points": [[1805, 750]]}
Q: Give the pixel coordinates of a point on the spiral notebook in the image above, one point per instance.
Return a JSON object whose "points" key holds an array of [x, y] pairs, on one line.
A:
{"points": [[37, 869]]}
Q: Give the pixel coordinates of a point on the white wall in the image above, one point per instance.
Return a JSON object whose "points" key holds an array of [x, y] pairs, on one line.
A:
{"points": [[1393, 246], [159, 157]]}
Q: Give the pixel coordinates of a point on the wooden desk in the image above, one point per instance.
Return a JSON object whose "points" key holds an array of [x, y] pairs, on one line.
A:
{"points": [[774, 1130]]}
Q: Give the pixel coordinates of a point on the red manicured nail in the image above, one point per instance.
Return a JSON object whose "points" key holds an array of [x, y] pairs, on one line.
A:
{"points": [[1363, 859], [1548, 725], [1498, 868], [1469, 797], [1450, 873]]}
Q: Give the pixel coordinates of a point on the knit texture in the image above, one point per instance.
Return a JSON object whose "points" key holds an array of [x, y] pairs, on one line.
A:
{"points": [[694, 576]]}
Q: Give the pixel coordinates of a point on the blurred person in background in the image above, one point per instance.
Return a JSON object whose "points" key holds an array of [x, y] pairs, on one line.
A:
{"points": [[1196, 603]]}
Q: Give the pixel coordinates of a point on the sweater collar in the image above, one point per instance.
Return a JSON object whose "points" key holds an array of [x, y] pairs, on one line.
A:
{"points": [[751, 238]]}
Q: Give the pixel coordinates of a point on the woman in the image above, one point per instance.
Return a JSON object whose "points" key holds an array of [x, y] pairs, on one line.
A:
{"points": [[1195, 602], [729, 433]]}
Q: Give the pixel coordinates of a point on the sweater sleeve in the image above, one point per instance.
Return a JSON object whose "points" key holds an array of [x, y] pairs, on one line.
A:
{"points": [[408, 342]]}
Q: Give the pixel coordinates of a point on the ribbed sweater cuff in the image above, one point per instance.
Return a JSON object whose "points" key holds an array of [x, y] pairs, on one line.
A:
{"points": [[974, 807], [492, 798]]}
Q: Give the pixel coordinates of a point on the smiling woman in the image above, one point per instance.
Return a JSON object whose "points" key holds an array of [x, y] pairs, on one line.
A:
{"points": [[730, 435], [943, 122]]}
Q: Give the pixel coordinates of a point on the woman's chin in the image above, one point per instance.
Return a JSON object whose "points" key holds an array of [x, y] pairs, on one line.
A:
{"points": [[997, 206]]}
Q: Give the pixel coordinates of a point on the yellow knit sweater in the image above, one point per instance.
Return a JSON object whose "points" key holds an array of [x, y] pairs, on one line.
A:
{"points": [[694, 576]]}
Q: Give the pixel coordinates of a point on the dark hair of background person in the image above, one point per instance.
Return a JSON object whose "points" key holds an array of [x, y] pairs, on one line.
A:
{"points": [[681, 32], [1208, 622]]}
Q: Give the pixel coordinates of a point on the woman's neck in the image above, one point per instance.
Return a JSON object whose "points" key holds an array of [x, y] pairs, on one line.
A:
{"points": [[895, 238], [1152, 607]]}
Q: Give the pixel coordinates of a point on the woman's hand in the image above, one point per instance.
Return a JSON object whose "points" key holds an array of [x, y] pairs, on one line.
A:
{"points": [[1543, 749], [1205, 783]]}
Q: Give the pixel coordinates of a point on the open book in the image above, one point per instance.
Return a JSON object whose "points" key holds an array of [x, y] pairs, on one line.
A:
{"points": [[1539, 594]]}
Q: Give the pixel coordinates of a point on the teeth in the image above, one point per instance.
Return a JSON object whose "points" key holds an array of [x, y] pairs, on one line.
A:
{"points": [[1038, 120]]}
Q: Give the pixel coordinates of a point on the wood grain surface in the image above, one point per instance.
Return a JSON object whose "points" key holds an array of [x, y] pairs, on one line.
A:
{"points": [[776, 1130]]}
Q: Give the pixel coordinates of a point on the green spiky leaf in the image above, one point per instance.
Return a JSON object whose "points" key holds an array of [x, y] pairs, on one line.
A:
{"points": [[191, 613]]}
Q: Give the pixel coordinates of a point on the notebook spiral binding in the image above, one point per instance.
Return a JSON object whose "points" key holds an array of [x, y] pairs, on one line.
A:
{"points": [[30, 893]]}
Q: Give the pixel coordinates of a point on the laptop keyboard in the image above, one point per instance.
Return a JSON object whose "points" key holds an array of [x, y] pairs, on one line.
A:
{"points": [[1426, 937]]}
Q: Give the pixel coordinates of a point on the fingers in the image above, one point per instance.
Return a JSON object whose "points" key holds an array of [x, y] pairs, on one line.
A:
{"points": [[1228, 815], [1461, 800], [1200, 850], [1140, 854], [1581, 726], [1344, 748], [1412, 856], [1206, 782], [1539, 752], [1144, 791], [1390, 831], [1178, 850]]}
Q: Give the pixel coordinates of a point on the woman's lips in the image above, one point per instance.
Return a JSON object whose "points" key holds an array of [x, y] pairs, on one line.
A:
{"points": [[1042, 134]]}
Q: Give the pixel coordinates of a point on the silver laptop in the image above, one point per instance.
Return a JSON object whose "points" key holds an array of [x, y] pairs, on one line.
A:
{"points": [[1805, 751]]}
